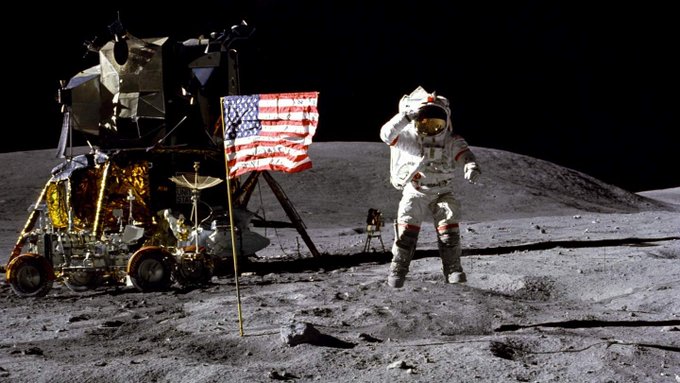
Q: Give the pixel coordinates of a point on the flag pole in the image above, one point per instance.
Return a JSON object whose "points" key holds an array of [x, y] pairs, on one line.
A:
{"points": [[231, 221]]}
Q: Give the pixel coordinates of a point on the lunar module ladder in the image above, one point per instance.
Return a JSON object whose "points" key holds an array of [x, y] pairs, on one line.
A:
{"points": [[244, 193]]}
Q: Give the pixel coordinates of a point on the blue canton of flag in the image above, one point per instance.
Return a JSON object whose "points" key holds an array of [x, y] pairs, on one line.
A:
{"points": [[241, 118]]}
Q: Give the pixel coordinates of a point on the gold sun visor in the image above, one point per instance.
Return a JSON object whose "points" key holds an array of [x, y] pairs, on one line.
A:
{"points": [[431, 120], [430, 126]]}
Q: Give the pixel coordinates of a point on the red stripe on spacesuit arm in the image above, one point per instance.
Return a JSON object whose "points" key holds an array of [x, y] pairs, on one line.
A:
{"points": [[457, 157]]}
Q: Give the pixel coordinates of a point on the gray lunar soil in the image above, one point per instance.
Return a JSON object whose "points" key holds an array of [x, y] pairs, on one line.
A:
{"points": [[569, 280]]}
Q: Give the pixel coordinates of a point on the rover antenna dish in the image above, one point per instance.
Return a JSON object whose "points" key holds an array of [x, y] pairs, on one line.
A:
{"points": [[199, 183]]}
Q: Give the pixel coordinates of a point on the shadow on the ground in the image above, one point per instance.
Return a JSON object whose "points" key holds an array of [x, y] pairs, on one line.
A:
{"points": [[339, 261]]}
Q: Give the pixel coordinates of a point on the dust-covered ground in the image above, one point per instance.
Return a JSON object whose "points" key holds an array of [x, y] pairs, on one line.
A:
{"points": [[569, 280]]}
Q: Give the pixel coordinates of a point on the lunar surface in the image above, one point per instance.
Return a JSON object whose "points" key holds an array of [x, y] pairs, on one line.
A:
{"points": [[569, 280]]}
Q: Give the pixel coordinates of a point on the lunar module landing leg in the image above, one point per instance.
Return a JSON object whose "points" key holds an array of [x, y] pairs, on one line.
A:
{"points": [[243, 195]]}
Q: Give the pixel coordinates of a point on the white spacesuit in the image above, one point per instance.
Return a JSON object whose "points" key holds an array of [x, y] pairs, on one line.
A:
{"points": [[424, 153]]}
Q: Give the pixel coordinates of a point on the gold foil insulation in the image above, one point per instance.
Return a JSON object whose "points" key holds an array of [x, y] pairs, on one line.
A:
{"points": [[125, 186]]}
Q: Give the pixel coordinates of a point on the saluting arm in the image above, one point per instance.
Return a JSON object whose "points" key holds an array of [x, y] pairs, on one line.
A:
{"points": [[389, 132]]}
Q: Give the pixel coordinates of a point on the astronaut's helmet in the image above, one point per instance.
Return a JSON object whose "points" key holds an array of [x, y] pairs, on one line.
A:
{"points": [[431, 120]]}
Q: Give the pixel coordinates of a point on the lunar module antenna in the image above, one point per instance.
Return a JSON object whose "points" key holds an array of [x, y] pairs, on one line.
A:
{"points": [[116, 28]]}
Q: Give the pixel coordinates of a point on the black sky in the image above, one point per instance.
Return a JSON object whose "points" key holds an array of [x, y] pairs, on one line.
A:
{"points": [[587, 85]]}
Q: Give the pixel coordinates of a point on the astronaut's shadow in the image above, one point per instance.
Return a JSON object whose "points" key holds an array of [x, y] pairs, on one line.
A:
{"points": [[330, 262], [420, 254]]}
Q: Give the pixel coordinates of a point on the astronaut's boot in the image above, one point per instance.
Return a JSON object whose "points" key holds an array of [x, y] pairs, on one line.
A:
{"points": [[402, 253], [455, 277], [397, 274], [450, 252]]}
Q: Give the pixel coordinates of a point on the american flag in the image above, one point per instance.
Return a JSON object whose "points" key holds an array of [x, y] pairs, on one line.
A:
{"points": [[269, 131]]}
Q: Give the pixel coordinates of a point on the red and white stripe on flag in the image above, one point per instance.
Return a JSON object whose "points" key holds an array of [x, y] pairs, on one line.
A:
{"points": [[269, 131]]}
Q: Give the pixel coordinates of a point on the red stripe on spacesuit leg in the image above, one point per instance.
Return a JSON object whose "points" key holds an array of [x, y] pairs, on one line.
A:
{"points": [[461, 153], [394, 142], [444, 228], [409, 227]]}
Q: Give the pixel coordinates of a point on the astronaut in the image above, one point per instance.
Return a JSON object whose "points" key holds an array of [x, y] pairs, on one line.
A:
{"points": [[424, 153]]}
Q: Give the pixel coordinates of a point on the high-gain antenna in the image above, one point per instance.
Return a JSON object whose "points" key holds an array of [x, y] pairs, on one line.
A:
{"points": [[199, 183]]}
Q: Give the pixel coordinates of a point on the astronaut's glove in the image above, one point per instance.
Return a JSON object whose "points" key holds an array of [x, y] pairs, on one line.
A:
{"points": [[411, 114], [471, 172]]}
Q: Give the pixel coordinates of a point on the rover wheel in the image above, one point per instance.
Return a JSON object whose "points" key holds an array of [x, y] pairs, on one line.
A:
{"points": [[150, 271], [29, 276], [194, 271]]}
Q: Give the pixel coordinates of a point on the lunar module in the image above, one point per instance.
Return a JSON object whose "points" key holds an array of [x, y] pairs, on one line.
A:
{"points": [[148, 203]]}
